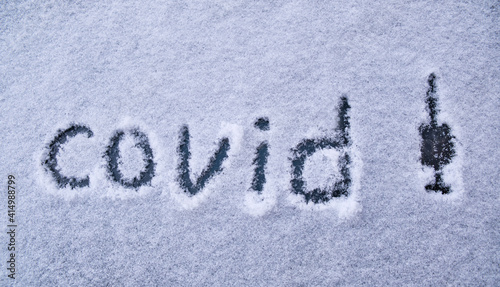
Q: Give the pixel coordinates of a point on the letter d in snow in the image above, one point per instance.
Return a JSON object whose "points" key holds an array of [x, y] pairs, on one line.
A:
{"points": [[338, 192]]}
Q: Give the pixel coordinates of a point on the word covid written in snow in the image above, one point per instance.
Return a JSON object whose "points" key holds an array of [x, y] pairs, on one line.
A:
{"points": [[437, 150], [193, 184]]}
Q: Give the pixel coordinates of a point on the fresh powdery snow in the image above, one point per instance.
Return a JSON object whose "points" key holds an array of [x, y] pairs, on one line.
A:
{"points": [[250, 143]]}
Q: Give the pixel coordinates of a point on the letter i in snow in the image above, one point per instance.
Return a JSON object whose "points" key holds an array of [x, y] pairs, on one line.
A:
{"points": [[260, 160], [438, 146]]}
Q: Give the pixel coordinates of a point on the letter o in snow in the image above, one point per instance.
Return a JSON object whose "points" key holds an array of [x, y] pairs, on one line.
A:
{"points": [[113, 155]]}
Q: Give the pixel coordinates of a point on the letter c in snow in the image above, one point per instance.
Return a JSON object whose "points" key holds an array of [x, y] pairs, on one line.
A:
{"points": [[50, 162]]}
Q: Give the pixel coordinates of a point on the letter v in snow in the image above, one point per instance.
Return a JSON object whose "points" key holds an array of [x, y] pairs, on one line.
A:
{"points": [[214, 166]]}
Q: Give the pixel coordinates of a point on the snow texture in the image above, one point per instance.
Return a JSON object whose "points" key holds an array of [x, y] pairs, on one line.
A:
{"points": [[143, 72]]}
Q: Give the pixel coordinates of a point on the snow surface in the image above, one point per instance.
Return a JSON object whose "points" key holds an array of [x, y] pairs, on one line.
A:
{"points": [[216, 67]]}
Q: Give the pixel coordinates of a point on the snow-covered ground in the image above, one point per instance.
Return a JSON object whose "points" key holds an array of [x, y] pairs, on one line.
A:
{"points": [[146, 71]]}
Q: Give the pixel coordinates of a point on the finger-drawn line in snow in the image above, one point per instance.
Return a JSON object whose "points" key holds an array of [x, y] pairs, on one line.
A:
{"points": [[437, 147], [214, 166], [307, 147], [50, 160], [112, 156]]}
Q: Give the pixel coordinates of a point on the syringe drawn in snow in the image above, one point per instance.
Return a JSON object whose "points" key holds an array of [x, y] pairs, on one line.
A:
{"points": [[341, 141], [437, 146]]}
